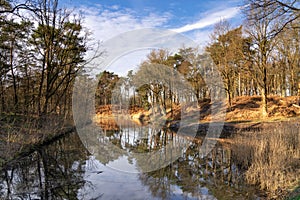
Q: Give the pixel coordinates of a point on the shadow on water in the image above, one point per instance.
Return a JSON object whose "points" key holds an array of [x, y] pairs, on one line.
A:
{"points": [[64, 169]]}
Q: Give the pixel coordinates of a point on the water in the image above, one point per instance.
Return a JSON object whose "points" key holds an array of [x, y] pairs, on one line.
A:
{"points": [[65, 169]]}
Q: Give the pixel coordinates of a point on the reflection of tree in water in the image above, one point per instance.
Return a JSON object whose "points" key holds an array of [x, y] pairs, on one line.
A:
{"points": [[192, 175], [52, 172], [109, 144], [192, 172], [104, 140], [159, 182], [107, 150]]}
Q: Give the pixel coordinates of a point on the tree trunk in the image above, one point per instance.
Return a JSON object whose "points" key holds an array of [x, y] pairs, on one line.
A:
{"points": [[264, 102], [13, 77], [298, 94], [283, 82], [2, 97], [265, 84], [229, 99], [39, 97]]}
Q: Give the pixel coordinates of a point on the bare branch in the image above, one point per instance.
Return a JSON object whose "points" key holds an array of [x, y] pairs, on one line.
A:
{"points": [[291, 6]]}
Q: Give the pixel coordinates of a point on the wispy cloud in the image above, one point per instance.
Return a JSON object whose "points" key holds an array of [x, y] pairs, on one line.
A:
{"points": [[201, 37], [209, 19], [113, 22], [106, 23]]}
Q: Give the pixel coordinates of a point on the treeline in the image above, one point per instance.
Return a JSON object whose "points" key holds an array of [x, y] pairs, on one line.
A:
{"points": [[42, 49], [260, 57]]}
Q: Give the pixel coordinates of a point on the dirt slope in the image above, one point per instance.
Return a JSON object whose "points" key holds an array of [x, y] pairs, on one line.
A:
{"points": [[244, 108]]}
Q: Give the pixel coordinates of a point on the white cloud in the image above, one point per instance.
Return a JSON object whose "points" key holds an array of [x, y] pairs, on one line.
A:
{"points": [[210, 19], [138, 43], [201, 37], [109, 22]]}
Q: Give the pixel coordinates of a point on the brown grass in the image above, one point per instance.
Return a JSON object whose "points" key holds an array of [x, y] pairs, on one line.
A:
{"points": [[271, 158], [18, 132], [244, 108], [249, 108]]}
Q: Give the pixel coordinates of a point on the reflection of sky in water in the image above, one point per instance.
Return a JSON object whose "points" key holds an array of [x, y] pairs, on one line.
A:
{"points": [[113, 184], [73, 171], [179, 194], [123, 163]]}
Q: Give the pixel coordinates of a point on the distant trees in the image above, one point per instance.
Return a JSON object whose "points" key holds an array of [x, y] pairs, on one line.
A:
{"points": [[41, 54], [251, 59], [162, 81], [193, 70], [153, 81], [287, 60], [106, 84]]}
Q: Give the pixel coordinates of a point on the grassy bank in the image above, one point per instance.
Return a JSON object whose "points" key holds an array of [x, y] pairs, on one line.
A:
{"points": [[271, 158], [20, 133], [244, 109]]}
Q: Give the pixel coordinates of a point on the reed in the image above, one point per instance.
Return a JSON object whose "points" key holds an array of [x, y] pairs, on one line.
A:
{"points": [[271, 158]]}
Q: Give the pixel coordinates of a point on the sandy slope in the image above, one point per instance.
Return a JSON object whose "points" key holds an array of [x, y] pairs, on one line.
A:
{"points": [[244, 109]]}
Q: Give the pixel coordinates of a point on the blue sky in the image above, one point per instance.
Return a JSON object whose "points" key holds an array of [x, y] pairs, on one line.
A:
{"points": [[194, 19]]}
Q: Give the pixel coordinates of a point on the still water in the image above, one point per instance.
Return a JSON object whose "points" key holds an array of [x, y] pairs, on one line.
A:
{"points": [[69, 168]]}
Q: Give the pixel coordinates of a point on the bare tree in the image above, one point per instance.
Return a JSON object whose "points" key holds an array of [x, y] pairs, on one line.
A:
{"points": [[287, 10], [59, 48], [262, 28]]}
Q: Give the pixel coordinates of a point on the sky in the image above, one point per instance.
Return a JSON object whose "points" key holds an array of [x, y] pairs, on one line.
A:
{"points": [[194, 19]]}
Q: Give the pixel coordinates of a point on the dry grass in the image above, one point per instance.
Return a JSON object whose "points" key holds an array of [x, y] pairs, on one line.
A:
{"points": [[271, 158], [18, 132], [244, 108]]}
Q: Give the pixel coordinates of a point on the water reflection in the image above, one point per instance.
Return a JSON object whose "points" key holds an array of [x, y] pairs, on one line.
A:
{"points": [[65, 170], [212, 177], [53, 172]]}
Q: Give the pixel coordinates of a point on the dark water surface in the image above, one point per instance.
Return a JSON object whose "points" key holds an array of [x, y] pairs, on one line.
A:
{"points": [[65, 169]]}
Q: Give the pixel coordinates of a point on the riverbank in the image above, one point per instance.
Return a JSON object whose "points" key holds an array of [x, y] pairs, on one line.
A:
{"points": [[20, 134], [243, 116], [244, 109], [18, 131]]}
